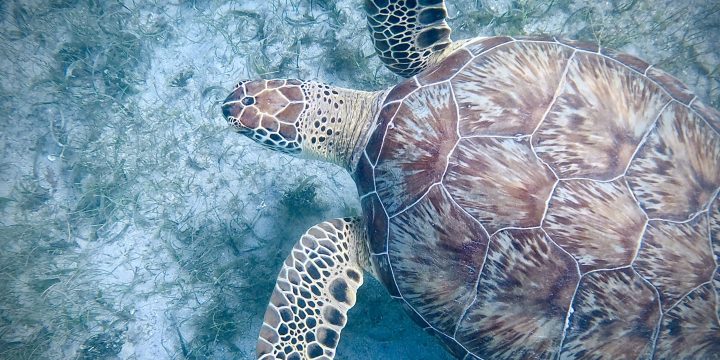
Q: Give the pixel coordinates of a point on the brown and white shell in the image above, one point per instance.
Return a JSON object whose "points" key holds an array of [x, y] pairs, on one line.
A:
{"points": [[538, 198]]}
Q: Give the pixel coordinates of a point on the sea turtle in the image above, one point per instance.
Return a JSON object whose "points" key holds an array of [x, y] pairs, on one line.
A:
{"points": [[523, 197]]}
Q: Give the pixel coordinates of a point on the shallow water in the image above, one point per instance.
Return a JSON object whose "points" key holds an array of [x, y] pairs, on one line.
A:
{"points": [[136, 225]]}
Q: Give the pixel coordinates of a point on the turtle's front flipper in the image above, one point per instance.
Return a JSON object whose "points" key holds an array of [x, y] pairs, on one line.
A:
{"points": [[315, 289], [406, 32]]}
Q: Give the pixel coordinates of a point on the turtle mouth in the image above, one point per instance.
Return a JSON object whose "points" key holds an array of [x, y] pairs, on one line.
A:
{"points": [[232, 108], [244, 130], [237, 125], [231, 113]]}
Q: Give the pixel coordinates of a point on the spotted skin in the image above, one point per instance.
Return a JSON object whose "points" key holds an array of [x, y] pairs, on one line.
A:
{"points": [[598, 158], [406, 33], [313, 293], [302, 118]]}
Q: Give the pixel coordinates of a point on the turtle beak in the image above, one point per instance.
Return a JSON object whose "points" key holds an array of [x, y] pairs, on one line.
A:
{"points": [[232, 106]]}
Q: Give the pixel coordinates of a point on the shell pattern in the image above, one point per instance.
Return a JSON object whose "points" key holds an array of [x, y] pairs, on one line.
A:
{"points": [[541, 198]]}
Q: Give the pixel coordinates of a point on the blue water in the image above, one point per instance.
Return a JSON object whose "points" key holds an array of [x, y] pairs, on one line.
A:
{"points": [[135, 225]]}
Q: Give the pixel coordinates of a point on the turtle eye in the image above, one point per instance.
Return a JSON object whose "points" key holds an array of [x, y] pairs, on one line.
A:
{"points": [[248, 100]]}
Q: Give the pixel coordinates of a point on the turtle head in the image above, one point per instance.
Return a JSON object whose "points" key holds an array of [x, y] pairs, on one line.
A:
{"points": [[307, 119], [267, 111]]}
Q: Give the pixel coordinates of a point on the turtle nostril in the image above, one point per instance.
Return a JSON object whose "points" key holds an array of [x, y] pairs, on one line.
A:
{"points": [[248, 100]]}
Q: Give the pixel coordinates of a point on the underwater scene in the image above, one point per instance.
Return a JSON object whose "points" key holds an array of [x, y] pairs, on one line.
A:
{"points": [[136, 223]]}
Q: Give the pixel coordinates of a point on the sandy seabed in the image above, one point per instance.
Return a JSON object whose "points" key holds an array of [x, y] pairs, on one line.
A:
{"points": [[135, 225]]}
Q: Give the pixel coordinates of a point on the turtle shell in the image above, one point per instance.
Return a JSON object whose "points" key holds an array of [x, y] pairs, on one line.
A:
{"points": [[539, 198]]}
